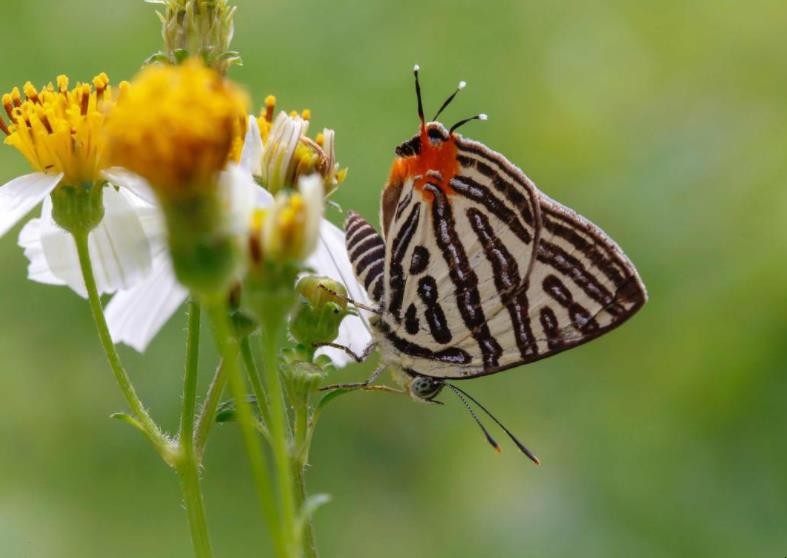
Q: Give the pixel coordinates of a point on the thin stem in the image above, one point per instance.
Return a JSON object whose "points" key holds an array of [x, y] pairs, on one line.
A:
{"points": [[278, 427], [141, 416], [254, 378], [188, 472], [188, 466], [309, 544], [228, 347], [190, 378], [207, 415]]}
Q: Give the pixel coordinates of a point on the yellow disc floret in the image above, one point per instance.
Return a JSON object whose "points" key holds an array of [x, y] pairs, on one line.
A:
{"points": [[177, 126], [288, 153], [59, 129]]}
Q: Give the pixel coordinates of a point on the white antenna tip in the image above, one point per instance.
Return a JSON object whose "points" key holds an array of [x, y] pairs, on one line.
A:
{"points": [[416, 68], [462, 85], [483, 116]]}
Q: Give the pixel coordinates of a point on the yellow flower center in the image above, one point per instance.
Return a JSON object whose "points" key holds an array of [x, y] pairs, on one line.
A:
{"points": [[59, 129], [177, 126]]}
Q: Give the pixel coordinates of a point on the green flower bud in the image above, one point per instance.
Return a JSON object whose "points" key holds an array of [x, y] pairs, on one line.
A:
{"points": [[201, 28], [320, 310]]}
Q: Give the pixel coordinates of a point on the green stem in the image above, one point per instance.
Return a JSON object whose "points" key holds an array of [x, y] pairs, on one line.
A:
{"points": [[188, 466], [254, 377], [141, 417], [303, 434], [188, 472], [278, 427], [309, 544], [228, 347], [207, 415]]}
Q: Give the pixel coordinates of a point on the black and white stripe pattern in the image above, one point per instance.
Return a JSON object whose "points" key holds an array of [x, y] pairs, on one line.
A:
{"points": [[483, 272], [367, 254]]}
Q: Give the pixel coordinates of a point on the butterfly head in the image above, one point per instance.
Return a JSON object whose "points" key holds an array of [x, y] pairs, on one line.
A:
{"points": [[425, 388], [427, 158]]}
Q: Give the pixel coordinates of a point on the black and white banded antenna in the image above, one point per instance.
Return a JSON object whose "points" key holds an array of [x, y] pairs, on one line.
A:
{"points": [[481, 116], [461, 394], [416, 70], [462, 85]]}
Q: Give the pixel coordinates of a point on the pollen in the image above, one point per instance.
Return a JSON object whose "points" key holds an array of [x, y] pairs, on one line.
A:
{"points": [[177, 126], [60, 130]]}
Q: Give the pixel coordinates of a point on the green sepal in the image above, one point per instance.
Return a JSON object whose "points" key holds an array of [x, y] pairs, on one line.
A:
{"points": [[205, 254], [303, 379], [78, 208]]}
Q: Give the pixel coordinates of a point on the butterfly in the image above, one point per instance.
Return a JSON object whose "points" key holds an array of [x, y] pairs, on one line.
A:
{"points": [[475, 270]]}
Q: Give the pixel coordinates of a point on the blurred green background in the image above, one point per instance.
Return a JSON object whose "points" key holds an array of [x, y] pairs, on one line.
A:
{"points": [[664, 122]]}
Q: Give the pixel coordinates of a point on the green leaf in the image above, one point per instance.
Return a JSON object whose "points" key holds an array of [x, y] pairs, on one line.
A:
{"points": [[128, 419], [226, 409]]}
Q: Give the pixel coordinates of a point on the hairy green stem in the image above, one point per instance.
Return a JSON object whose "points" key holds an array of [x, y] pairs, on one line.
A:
{"points": [[279, 430], [207, 415], [141, 417], [188, 465], [228, 347]]}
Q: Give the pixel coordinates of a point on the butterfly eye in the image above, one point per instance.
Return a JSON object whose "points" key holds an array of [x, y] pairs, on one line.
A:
{"points": [[423, 387]]}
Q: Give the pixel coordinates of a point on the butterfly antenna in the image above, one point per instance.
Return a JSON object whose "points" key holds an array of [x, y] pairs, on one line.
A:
{"points": [[459, 392], [481, 116], [416, 70], [489, 438], [462, 85]]}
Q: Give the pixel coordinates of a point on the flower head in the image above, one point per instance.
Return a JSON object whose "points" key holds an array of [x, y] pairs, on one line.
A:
{"points": [[176, 126], [288, 153], [287, 231], [60, 130], [199, 28]]}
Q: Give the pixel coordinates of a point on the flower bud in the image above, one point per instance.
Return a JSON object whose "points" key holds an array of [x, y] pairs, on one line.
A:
{"points": [[198, 28], [321, 307]]}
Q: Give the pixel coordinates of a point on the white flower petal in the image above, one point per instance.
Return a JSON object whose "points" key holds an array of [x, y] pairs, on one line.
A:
{"points": [[136, 315], [311, 188], [22, 194], [132, 182], [251, 155], [330, 259], [30, 241], [119, 249], [243, 196]]}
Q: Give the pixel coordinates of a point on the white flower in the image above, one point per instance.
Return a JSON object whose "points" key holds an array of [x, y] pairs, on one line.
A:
{"points": [[121, 246], [136, 315], [60, 133]]}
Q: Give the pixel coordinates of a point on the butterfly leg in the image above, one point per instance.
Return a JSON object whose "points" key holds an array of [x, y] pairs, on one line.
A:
{"points": [[366, 385], [352, 354]]}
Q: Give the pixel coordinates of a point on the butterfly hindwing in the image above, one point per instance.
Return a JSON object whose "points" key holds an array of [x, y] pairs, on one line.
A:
{"points": [[366, 250]]}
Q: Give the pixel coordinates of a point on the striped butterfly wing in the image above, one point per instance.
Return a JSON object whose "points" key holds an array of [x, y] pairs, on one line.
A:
{"points": [[366, 250], [490, 273]]}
